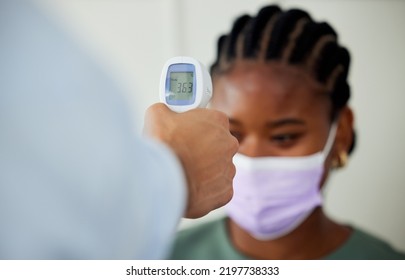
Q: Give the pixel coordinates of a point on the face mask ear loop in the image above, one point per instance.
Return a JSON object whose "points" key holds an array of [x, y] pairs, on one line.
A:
{"points": [[330, 141]]}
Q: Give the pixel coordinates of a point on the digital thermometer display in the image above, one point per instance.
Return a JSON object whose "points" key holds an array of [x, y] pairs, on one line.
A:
{"points": [[185, 84], [181, 86]]}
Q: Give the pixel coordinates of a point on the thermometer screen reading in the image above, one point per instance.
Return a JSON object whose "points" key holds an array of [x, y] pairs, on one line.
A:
{"points": [[181, 85]]}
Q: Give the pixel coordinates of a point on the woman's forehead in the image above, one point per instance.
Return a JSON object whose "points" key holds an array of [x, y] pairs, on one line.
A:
{"points": [[258, 73], [272, 87]]}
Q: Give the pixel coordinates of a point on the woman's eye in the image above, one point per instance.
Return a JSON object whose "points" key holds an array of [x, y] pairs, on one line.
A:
{"points": [[284, 139]]}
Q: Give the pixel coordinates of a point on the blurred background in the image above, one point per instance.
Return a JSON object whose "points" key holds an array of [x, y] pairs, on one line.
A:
{"points": [[131, 40]]}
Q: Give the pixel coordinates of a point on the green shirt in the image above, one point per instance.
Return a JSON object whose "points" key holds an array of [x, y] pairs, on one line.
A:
{"points": [[211, 241]]}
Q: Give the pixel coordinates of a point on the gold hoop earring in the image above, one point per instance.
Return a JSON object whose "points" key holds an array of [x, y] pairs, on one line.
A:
{"points": [[340, 161], [343, 159]]}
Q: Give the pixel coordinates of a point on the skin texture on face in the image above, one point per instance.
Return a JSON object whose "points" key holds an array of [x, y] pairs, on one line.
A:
{"points": [[274, 110]]}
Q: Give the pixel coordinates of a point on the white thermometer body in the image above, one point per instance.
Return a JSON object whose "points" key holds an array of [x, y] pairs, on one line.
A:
{"points": [[185, 84]]}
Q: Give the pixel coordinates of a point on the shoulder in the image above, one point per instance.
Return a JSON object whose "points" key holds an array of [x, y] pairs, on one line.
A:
{"points": [[205, 241], [202, 229], [194, 242], [365, 246]]}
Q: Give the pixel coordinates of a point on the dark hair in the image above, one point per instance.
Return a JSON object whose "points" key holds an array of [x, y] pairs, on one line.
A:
{"points": [[293, 38]]}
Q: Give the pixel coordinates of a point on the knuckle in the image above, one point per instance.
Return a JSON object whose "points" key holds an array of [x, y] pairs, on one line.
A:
{"points": [[221, 118], [233, 170], [235, 145], [229, 194], [157, 108]]}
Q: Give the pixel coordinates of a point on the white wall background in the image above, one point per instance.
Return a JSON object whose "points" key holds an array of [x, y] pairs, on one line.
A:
{"points": [[133, 38]]}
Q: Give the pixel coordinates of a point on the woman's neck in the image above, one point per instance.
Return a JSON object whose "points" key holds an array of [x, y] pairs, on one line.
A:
{"points": [[315, 238]]}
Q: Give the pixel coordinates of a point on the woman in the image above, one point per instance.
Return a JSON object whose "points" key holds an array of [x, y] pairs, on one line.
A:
{"points": [[282, 80]]}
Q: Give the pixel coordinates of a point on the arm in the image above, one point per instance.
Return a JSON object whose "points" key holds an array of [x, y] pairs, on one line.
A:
{"points": [[75, 180]]}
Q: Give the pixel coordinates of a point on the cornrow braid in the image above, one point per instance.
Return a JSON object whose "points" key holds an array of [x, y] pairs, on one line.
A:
{"points": [[283, 31], [260, 26], [290, 37], [234, 37]]}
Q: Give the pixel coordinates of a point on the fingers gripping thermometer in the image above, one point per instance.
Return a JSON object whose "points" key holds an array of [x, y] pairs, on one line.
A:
{"points": [[185, 84]]}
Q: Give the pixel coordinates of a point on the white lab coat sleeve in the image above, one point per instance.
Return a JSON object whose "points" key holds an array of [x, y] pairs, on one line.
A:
{"points": [[76, 182]]}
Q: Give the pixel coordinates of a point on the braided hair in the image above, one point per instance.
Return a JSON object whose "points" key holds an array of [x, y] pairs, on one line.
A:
{"points": [[290, 37]]}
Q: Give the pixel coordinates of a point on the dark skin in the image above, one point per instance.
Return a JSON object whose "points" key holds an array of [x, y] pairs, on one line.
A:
{"points": [[280, 110]]}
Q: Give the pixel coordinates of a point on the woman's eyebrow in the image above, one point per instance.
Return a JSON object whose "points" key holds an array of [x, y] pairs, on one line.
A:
{"points": [[283, 122]]}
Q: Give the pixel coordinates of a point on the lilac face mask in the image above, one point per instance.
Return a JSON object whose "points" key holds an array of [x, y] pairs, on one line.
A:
{"points": [[274, 195]]}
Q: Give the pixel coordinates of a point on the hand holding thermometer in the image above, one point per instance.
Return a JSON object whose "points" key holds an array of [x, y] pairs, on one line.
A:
{"points": [[185, 84]]}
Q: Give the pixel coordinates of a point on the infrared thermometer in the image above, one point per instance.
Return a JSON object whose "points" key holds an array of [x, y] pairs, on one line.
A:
{"points": [[185, 84]]}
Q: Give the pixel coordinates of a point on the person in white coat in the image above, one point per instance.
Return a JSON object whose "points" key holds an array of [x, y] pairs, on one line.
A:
{"points": [[76, 181]]}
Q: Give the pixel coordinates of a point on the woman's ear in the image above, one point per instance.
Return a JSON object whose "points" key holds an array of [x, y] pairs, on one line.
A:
{"points": [[344, 136]]}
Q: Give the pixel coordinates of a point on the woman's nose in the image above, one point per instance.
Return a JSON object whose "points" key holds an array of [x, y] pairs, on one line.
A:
{"points": [[252, 146]]}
